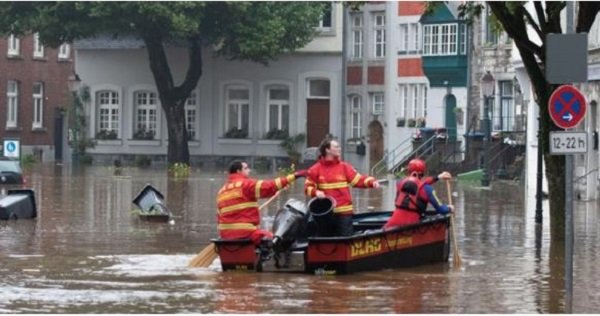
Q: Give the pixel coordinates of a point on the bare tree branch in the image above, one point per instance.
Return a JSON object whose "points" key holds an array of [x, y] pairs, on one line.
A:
{"points": [[515, 26], [533, 25], [586, 15], [539, 11]]}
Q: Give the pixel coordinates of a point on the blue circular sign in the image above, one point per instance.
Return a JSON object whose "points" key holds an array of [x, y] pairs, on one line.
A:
{"points": [[11, 147]]}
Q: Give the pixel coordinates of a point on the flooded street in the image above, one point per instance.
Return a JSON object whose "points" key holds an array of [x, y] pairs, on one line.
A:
{"points": [[87, 252]]}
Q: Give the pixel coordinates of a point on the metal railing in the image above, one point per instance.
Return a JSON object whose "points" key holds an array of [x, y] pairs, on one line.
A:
{"points": [[395, 158]]}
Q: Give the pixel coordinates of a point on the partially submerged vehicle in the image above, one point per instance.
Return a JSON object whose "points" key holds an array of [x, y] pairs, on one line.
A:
{"points": [[294, 247]]}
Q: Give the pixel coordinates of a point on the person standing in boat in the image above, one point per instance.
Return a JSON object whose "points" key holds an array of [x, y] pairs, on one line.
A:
{"points": [[238, 214], [332, 177], [413, 194]]}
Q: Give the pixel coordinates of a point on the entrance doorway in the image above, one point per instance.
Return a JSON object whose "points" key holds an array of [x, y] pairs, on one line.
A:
{"points": [[375, 143]]}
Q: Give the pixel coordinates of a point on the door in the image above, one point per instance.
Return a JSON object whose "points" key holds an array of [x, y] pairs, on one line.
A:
{"points": [[451, 117], [317, 126], [375, 143], [58, 135]]}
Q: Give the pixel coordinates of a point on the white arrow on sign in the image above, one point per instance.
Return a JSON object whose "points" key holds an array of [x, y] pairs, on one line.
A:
{"points": [[568, 117]]}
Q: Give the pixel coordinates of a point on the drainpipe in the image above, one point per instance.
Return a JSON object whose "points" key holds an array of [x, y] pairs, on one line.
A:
{"points": [[343, 80]]}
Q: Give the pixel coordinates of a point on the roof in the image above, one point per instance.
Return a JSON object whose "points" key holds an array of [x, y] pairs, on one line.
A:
{"points": [[109, 42]]}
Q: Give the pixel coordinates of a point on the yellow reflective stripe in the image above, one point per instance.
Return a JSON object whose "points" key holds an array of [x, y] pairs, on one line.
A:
{"points": [[236, 226], [291, 177], [355, 180], [335, 185], [309, 191], [278, 183], [343, 209], [257, 188], [238, 207], [368, 181], [229, 195]]}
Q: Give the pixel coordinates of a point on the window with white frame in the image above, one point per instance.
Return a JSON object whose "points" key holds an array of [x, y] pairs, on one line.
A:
{"points": [[491, 34], [440, 39], [108, 105], [278, 110], [38, 48], [415, 101], [12, 103], [325, 21], [415, 38], [404, 101], [14, 45], [355, 117], [463, 38], [507, 108], [378, 102], [38, 105], [379, 30], [146, 109], [424, 98], [64, 51], [404, 38], [409, 37], [191, 108], [357, 36], [237, 113]]}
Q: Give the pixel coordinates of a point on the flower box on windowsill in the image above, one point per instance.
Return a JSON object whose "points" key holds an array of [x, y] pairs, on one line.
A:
{"points": [[224, 140], [144, 142], [109, 142]]}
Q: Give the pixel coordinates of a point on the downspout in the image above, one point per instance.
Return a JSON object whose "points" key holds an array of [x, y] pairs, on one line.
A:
{"points": [[343, 81], [467, 120]]}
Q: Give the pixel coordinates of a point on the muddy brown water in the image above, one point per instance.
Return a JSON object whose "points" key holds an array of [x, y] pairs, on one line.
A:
{"points": [[88, 253]]}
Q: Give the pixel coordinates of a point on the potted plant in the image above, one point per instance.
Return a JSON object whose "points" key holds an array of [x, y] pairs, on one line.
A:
{"points": [[143, 134], [412, 122], [235, 132], [275, 133], [421, 122], [106, 134], [290, 145], [400, 121]]}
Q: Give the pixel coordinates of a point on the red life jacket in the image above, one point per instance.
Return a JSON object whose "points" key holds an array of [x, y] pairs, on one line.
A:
{"points": [[408, 195]]}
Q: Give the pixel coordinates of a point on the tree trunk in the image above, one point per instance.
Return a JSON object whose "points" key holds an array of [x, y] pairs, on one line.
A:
{"points": [[173, 98]]}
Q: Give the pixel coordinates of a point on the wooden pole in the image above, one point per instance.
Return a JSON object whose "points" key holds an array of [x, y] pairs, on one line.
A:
{"points": [[455, 251]]}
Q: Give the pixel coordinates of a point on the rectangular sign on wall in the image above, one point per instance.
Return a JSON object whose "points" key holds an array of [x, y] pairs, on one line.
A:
{"points": [[567, 58]]}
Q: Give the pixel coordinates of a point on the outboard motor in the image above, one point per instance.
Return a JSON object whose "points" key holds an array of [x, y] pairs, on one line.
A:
{"points": [[288, 224]]}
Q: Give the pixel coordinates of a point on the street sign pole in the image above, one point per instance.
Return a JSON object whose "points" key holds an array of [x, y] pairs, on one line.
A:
{"points": [[569, 203]]}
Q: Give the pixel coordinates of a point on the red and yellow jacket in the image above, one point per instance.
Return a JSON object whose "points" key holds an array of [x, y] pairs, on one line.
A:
{"points": [[334, 178], [238, 214]]}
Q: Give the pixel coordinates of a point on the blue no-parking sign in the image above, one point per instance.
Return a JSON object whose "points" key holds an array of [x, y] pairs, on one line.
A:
{"points": [[12, 148], [567, 106]]}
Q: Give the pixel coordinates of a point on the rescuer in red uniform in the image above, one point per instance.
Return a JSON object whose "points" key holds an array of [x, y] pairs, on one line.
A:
{"points": [[332, 177], [238, 214], [413, 194]]}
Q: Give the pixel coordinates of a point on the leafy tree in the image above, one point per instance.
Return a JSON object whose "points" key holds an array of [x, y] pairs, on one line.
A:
{"points": [[515, 19], [253, 31]]}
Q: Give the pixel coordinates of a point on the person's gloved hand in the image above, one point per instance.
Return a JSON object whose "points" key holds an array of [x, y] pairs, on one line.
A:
{"points": [[300, 174], [450, 208]]}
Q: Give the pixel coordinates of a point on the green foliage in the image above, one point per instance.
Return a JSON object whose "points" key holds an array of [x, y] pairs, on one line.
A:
{"points": [[236, 133], [28, 160], [143, 134], [78, 139], [290, 145], [106, 134], [284, 171], [180, 170], [277, 134]]}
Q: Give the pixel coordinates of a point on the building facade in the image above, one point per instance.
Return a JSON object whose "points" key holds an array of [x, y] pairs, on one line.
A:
{"points": [[36, 96]]}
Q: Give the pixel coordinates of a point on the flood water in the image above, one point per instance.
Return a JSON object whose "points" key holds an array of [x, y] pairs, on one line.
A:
{"points": [[87, 252]]}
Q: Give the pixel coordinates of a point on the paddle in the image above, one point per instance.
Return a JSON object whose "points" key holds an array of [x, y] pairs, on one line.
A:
{"points": [[207, 255], [455, 251]]}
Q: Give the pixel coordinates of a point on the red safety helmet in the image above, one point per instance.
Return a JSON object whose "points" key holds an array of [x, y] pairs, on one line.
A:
{"points": [[417, 165]]}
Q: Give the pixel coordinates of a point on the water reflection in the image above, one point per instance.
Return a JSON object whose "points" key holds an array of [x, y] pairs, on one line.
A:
{"points": [[87, 244]]}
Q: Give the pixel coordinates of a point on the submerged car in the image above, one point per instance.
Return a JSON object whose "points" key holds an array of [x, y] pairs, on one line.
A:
{"points": [[11, 172]]}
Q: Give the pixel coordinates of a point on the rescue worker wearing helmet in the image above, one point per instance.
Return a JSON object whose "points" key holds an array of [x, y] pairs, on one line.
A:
{"points": [[413, 194], [332, 177]]}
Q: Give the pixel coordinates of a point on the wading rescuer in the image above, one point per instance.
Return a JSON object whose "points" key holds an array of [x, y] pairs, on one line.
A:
{"points": [[238, 214], [413, 194], [332, 177]]}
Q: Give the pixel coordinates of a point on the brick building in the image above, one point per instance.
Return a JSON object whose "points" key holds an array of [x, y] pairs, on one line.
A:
{"points": [[34, 92]]}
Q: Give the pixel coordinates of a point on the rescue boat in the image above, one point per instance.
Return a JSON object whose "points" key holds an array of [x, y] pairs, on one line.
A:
{"points": [[295, 249]]}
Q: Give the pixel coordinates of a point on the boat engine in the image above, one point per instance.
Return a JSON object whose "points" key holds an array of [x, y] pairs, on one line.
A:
{"points": [[288, 224]]}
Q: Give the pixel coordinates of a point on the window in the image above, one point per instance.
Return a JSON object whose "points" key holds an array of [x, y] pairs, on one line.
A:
{"points": [[403, 101], [440, 39], [237, 114], [379, 29], [404, 37], [378, 103], [357, 36], [506, 111], [14, 45], [146, 114], [416, 40], [190, 115], [463, 39], [38, 105], [64, 51], [409, 37], [325, 22], [278, 109], [424, 92], [415, 96], [318, 89], [355, 117], [108, 113], [38, 48], [491, 35], [12, 101]]}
